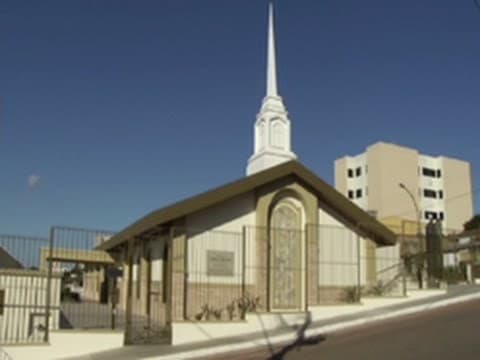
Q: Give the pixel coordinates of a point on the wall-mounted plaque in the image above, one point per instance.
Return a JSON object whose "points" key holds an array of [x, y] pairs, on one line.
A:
{"points": [[220, 263]]}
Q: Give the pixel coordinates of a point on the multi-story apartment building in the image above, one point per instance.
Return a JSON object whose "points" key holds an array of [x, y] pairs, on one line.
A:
{"points": [[440, 186]]}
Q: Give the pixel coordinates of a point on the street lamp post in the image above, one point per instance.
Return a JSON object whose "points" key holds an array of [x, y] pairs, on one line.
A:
{"points": [[419, 262]]}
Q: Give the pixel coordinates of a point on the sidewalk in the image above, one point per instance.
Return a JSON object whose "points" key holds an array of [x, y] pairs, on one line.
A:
{"points": [[455, 294]]}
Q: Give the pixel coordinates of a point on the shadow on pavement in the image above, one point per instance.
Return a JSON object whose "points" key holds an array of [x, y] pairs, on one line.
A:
{"points": [[300, 341]]}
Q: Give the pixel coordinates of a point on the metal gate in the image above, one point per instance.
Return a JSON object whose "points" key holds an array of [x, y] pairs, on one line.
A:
{"points": [[147, 270], [23, 291], [89, 279]]}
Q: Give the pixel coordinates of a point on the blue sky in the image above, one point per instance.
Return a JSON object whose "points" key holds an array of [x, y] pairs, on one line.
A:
{"points": [[121, 107]]}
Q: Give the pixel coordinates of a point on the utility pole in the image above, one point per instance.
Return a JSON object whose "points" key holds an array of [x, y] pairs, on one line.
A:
{"points": [[419, 256]]}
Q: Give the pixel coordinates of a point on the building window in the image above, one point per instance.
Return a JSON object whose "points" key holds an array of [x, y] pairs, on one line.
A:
{"points": [[430, 193], [350, 194], [359, 193], [430, 215], [350, 173], [358, 171], [429, 172], [440, 194], [439, 173], [441, 215]]}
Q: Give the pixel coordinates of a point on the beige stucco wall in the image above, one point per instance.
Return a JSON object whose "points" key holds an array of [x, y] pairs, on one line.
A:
{"points": [[341, 175], [389, 165], [457, 182], [338, 241], [230, 215], [220, 228]]}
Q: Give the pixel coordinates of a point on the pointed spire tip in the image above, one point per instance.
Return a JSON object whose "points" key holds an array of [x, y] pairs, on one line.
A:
{"points": [[272, 63]]}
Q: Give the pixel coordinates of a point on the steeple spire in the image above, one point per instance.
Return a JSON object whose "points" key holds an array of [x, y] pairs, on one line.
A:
{"points": [[272, 89], [272, 144]]}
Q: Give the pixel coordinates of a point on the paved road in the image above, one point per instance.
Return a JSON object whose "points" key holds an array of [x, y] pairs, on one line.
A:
{"points": [[449, 333]]}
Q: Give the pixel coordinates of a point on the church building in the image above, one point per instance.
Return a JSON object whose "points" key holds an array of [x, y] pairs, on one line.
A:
{"points": [[273, 245]]}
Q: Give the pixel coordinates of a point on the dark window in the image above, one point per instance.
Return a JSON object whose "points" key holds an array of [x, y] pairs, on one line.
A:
{"points": [[350, 173], [428, 172], [441, 215], [350, 194], [439, 173], [165, 272], [440, 194], [430, 215], [358, 171], [359, 193], [2, 301], [430, 193]]}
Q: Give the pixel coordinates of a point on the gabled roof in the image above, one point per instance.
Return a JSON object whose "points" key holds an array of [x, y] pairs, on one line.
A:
{"points": [[7, 261], [326, 193]]}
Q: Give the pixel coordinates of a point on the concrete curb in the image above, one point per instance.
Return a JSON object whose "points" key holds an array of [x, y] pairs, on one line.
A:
{"points": [[315, 331]]}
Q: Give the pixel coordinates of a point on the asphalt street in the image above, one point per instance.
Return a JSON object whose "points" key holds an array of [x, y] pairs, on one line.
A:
{"points": [[452, 332]]}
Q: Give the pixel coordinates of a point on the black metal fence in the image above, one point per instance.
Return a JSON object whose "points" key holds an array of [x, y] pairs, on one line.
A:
{"points": [[176, 274]]}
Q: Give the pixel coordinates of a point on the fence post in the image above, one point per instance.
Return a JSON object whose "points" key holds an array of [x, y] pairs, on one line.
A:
{"points": [[113, 300], [49, 286], [244, 260], [185, 278], [404, 249], [307, 261], [359, 267]]}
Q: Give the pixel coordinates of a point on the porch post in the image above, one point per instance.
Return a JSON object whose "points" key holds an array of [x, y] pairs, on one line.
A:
{"points": [[129, 307], [177, 274]]}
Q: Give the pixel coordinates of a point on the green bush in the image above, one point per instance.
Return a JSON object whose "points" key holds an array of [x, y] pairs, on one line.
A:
{"points": [[453, 274]]}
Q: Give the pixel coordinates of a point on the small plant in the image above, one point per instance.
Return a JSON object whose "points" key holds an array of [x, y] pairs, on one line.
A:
{"points": [[217, 313], [352, 295], [378, 289], [231, 309], [208, 312], [453, 275], [247, 304]]}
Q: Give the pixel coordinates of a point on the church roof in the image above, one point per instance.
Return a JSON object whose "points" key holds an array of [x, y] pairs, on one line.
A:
{"points": [[355, 216]]}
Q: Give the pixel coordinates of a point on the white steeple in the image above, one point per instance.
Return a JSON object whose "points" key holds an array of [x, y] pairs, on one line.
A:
{"points": [[272, 129], [271, 61]]}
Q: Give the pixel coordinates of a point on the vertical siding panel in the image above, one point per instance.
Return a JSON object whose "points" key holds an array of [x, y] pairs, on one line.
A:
{"points": [[33, 301], [55, 303], [2, 322], [19, 304], [11, 314], [7, 310], [33, 309]]}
